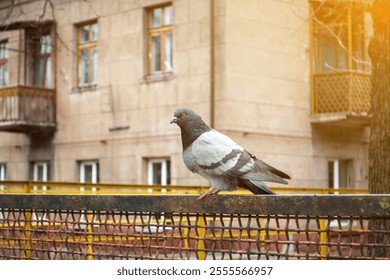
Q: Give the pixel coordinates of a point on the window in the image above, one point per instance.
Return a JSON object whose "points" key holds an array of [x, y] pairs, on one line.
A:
{"points": [[339, 174], [341, 35], [339, 178], [42, 62], [4, 72], [3, 171], [160, 39], [41, 172], [3, 175], [89, 173], [87, 54], [159, 172]]}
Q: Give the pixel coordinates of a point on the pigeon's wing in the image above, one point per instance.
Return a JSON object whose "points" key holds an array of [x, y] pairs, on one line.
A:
{"points": [[217, 154]]}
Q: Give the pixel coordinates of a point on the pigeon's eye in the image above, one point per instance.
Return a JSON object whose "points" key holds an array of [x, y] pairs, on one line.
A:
{"points": [[182, 115]]}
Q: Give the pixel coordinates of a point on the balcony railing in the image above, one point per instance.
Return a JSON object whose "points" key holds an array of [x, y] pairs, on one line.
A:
{"points": [[27, 109], [341, 95]]}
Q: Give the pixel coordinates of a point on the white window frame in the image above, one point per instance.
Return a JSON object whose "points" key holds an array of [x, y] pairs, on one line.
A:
{"points": [[91, 47], [3, 175], [164, 182], [336, 186], [45, 173], [95, 172], [36, 216], [336, 173], [164, 31], [164, 171], [4, 63], [42, 77]]}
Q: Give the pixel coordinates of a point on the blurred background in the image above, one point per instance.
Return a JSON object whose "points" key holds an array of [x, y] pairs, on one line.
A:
{"points": [[88, 88]]}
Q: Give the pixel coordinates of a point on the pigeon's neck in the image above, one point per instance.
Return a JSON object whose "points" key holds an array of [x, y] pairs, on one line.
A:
{"points": [[190, 133]]}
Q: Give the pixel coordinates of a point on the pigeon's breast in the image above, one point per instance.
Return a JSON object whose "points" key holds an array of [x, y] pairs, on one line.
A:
{"points": [[189, 159]]}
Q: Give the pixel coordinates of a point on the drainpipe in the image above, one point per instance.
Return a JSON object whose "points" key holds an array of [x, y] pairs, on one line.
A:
{"points": [[212, 65]]}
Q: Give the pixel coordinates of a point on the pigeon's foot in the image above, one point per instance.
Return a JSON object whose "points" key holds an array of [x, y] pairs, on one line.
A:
{"points": [[210, 191]]}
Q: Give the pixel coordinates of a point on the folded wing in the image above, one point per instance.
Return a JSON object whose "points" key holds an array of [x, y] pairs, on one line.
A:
{"points": [[217, 154]]}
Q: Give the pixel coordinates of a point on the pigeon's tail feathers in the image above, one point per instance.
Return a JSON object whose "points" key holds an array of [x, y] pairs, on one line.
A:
{"points": [[275, 171], [264, 172], [274, 174], [257, 187]]}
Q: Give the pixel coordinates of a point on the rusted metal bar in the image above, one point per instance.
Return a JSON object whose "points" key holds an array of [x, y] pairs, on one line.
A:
{"points": [[313, 205]]}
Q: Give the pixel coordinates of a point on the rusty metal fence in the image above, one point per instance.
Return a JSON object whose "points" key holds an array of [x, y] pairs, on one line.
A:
{"points": [[182, 227]]}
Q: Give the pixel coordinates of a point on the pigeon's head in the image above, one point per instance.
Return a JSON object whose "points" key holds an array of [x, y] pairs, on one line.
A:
{"points": [[191, 126], [185, 116]]}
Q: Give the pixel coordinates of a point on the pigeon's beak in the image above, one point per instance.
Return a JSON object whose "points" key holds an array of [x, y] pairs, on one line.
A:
{"points": [[174, 120]]}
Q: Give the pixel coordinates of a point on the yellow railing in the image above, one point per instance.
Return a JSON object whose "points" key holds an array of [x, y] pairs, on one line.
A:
{"points": [[53, 187]]}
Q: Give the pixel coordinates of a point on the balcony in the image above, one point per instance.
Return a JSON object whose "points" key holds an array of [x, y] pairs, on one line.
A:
{"points": [[27, 77], [341, 97], [340, 64], [27, 109]]}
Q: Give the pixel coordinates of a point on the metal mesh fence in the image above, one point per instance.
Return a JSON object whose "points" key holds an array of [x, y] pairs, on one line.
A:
{"points": [[181, 227]]}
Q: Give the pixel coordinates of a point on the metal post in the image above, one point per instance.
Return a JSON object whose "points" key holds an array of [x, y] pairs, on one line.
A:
{"points": [[27, 229], [89, 221], [201, 234], [323, 239]]}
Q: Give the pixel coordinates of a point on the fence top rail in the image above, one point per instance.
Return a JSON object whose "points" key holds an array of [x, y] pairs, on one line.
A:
{"points": [[312, 205], [61, 187]]}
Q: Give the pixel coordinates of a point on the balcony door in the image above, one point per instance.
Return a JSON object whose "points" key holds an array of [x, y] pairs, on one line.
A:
{"points": [[39, 57]]}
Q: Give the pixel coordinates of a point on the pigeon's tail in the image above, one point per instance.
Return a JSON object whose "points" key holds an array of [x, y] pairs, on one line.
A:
{"points": [[257, 187], [272, 171]]}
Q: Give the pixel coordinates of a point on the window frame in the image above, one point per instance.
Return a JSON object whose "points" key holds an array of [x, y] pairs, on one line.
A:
{"points": [[41, 164], [45, 165], [339, 169], [3, 171], [95, 172], [4, 63], [36, 215], [89, 45], [343, 38], [165, 169], [47, 59], [162, 30], [3, 175]]}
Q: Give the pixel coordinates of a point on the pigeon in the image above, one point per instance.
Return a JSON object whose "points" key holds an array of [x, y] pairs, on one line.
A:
{"points": [[221, 161]]}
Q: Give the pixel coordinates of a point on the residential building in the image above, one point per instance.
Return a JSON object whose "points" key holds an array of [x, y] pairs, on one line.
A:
{"points": [[88, 88]]}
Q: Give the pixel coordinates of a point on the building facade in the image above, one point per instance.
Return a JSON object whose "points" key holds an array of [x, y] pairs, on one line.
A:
{"points": [[88, 88]]}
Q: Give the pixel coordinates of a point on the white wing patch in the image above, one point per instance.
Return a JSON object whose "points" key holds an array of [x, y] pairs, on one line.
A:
{"points": [[216, 153]]}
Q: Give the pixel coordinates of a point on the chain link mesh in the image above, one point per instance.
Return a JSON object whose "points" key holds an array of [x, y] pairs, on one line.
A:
{"points": [[82, 234]]}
